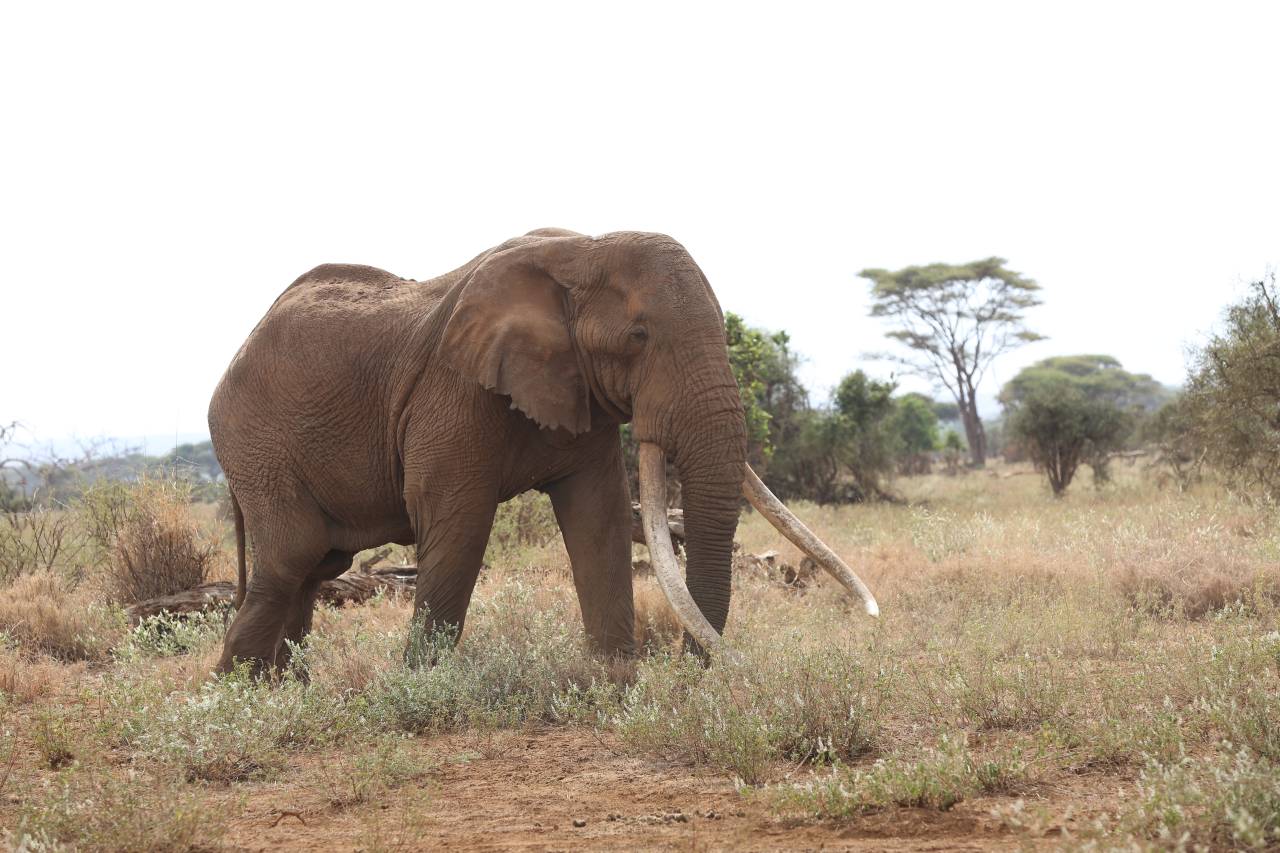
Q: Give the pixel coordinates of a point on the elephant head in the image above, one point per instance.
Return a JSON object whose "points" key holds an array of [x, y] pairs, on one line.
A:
{"points": [[625, 327]]}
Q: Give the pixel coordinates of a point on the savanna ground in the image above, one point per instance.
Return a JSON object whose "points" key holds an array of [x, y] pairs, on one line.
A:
{"points": [[1098, 672]]}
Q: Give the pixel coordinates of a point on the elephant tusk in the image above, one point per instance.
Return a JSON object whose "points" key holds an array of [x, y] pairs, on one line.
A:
{"points": [[653, 510], [768, 505]]}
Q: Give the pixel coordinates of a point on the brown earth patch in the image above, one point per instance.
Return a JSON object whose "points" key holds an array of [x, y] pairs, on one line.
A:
{"points": [[572, 789]]}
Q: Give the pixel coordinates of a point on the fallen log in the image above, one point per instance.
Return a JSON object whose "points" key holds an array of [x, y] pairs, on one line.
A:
{"points": [[675, 521], [354, 587]]}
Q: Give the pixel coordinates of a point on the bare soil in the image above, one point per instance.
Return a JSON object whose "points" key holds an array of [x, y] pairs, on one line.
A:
{"points": [[572, 789]]}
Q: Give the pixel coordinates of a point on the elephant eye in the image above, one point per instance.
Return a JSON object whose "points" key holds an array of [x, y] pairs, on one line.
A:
{"points": [[639, 333]]}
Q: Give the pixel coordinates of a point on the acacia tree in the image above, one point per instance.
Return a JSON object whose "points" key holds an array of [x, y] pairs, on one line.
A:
{"points": [[955, 319], [1061, 426], [1103, 380]]}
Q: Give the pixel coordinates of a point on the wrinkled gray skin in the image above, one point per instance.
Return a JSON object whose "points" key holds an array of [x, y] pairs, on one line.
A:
{"points": [[366, 408]]}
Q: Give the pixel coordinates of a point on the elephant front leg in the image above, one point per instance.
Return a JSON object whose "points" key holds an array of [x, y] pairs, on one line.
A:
{"points": [[593, 509], [450, 552]]}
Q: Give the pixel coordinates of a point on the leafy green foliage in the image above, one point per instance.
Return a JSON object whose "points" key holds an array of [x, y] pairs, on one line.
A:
{"points": [[1101, 378], [1232, 407], [764, 367], [954, 320], [841, 453], [914, 425], [1107, 408], [1061, 426]]}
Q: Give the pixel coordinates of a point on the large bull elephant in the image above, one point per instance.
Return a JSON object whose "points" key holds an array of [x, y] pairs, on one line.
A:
{"points": [[366, 408]]}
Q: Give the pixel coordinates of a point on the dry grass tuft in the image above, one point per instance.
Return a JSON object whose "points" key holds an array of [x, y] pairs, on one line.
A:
{"points": [[657, 626], [158, 547], [40, 614], [1192, 595], [25, 679]]}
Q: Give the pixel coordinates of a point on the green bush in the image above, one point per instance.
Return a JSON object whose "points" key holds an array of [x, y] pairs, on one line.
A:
{"points": [[1232, 393], [1061, 427]]}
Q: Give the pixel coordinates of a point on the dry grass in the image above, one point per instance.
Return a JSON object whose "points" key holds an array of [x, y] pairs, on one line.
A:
{"points": [[1121, 636], [657, 626], [41, 614], [26, 678], [159, 549]]}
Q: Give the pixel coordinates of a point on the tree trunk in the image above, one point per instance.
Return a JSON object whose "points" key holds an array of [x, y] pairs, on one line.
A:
{"points": [[974, 433]]}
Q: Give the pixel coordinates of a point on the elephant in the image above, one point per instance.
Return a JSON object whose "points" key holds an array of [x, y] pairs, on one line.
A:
{"points": [[365, 408]]}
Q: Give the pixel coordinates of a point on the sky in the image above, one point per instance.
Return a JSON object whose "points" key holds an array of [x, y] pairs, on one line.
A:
{"points": [[167, 169]]}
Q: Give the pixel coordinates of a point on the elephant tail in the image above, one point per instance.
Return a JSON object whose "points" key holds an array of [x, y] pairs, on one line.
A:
{"points": [[240, 569]]}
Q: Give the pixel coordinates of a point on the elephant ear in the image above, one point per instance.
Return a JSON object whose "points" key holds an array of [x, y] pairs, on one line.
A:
{"points": [[509, 331]]}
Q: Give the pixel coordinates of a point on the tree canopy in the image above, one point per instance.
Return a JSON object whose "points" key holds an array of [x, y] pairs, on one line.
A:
{"points": [[1231, 409], [1101, 377], [955, 319], [1072, 410]]}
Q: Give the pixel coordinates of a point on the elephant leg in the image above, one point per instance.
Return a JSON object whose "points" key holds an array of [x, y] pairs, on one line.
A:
{"points": [[450, 552], [271, 600], [298, 623], [593, 509]]}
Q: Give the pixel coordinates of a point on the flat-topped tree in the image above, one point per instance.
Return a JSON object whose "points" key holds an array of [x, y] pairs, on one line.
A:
{"points": [[955, 319]]}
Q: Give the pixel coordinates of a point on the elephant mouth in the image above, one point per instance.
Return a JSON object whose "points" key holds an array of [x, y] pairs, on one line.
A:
{"points": [[653, 508]]}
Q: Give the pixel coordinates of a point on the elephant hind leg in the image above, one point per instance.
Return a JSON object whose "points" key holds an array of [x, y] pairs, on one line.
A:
{"points": [[298, 622], [281, 571]]}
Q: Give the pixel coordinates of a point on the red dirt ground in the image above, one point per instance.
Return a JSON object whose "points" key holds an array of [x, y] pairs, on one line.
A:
{"points": [[526, 790]]}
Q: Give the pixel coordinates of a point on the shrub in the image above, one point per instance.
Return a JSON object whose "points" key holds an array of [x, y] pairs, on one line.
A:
{"points": [[1229, 801], [90, 810], [806, 706], [1232, 394], [519, 661], [1061, 427], [233, 729], [525, 521], [41, 614], [38, 539], [167, 634], [149, 545], [941, 778]]}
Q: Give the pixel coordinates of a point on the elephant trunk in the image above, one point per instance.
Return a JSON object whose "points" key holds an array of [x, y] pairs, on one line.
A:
{"points": [[653, 507], [714, 475], [707, 441]]}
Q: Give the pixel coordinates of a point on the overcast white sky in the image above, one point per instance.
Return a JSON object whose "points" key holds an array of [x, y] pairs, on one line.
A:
{"points": [[167, 169]]}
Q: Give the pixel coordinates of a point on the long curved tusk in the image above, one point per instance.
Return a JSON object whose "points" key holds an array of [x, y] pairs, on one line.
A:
{"points": [[768, 505], [653, 509]]}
